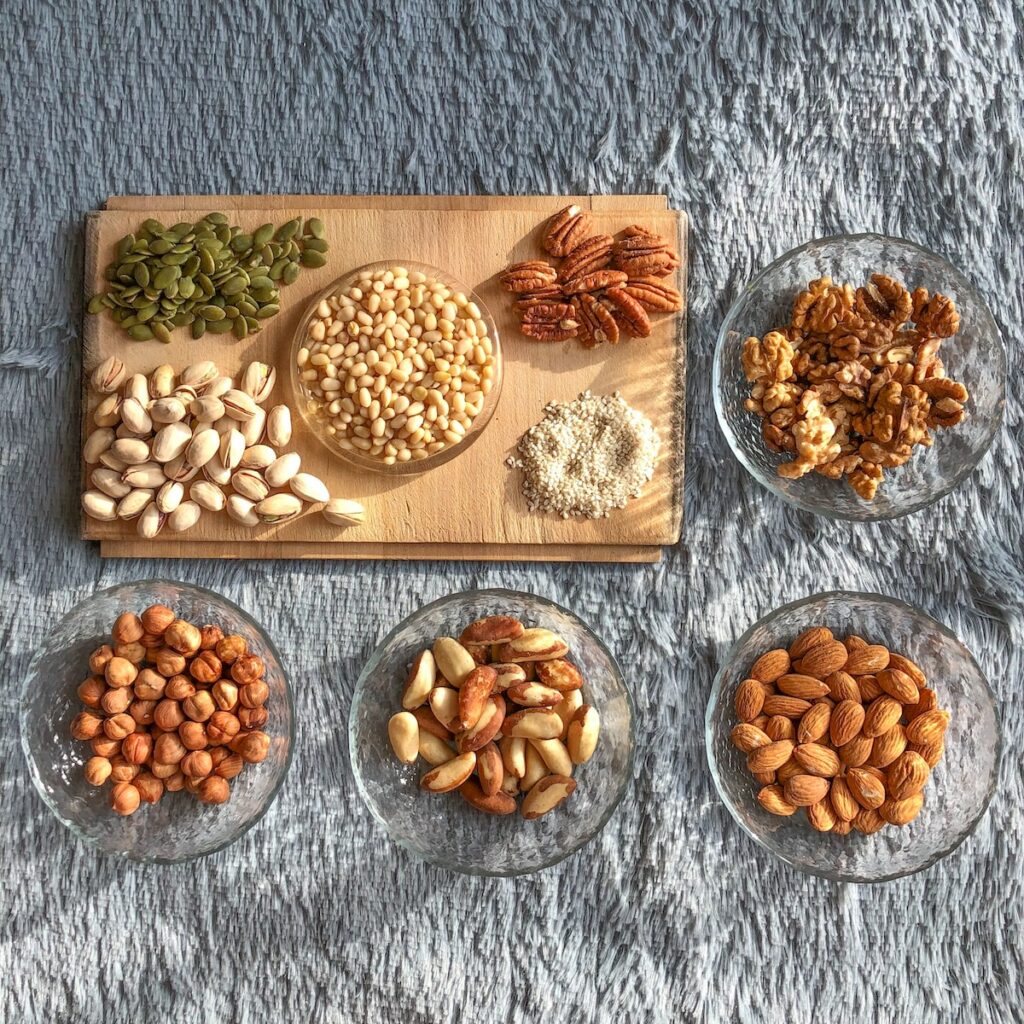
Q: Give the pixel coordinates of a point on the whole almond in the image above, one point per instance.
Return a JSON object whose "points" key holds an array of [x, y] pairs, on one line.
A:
{"points": [[881, 715], [817, 759], [898, 685], [866, 661], [449, 775], [931, 752], [869, 688], [495, 629], [821, 661], [533, 724], [778, 728], [788, 707], [770, 756], [788, 770], [846, 722], [855, 752], [559, 674], [908, 667], [814, 724], [805, 790], [854, 643], [866, 788], [868, 821], [420, 681], [489, 769], [770, 666], [764, 778], [842, 828], [750, 698], [843, 801], [926, 701], [533, 695], [773, 800], [404, 734], [810, 638], [929, 727], [795, 685], [747, 737], [546, 795], [821, 816], [887, 747], [842, 686], [473, 695], [487, 726], [497, 803], [907, 775], [902, 812]]}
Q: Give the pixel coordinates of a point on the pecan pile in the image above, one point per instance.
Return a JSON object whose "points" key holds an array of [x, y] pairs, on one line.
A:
{"points": [[602, 289], [854, 381]]}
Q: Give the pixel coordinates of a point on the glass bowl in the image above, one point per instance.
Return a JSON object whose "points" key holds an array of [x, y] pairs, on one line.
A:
{"points": [[444, 829], [179, 827], [974, 356], [310, 407], [960, 786]]}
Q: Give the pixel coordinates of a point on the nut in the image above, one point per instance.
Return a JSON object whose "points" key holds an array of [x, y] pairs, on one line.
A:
{"points": [[453, 661], [420, 681], [495, 629], [450, 775], [565, 230], [546, 795], [404, 734], [584, 731]]}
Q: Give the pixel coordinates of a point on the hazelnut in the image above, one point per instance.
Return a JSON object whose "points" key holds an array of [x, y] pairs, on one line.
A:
{"points": [[149, 786], [253, 718], [114, 702], [253, 747], [97, 770], [175, 783], [169, 749], [222, 727], [198, 707], [179, 687], [122, 770], [85, 725], [192, 785], [124, 798], [168, 715], [104, 746], [193, 735], [142, 711], [225, 695], [90, 692], [214, 790], [205, 667], [247, 668], [156, 618], [99, 658], [197, 764], [136, 748], [120, 672], [135, 653], [231, 648], [253, 695], [163, 771], [117, 727], [169, 663], [230, 767], [151, 642], [211, 636], [149, 685], [182, 636], [127, 628]]}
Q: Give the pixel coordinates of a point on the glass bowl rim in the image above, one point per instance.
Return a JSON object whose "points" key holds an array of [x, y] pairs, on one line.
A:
{"points": [[440, 860], [356, 460], [132, 855], [717, 688], [829, 512]]}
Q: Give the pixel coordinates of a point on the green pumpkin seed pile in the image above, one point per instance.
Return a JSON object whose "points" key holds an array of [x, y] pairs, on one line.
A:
{"points": [[208, 275]]}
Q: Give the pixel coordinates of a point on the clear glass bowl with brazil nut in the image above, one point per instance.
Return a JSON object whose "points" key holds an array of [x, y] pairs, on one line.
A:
{"points": [[959, 788], [315, 410], [974, 356], [443, 828], [178, 827]]}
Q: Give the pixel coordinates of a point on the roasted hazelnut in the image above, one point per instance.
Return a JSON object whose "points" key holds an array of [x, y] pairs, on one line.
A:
{"points": [[192, 785], [114, 702], [168, 715], [99, 658], [247, 669], [142, 711], [182, 636], [211, 636], [197, 764], [97, 770], [193, 735], [205, 667], [85, 725], [161, 770], [149, 786], [122, 770], [230, 767], [156, 618], [124, 799], [104, 746], [117, 727], [135, 653], [214, 790], [127, 628], [149, 685], [252, 746], [175, 783], [151, 642], [179, 687], [225, 695], [222, 727], [91, 691], [135, 749], [254, 695], [231, 648], [169, 663], [169, 749], [253, 718], [120, 672], [199, 706]]}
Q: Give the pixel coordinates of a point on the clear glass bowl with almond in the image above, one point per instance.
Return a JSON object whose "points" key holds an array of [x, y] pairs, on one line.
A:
{"points": [[853, 736]]}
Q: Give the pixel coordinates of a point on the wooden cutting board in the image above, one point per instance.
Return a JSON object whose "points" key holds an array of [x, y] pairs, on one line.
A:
{"points": [[471, 508]]}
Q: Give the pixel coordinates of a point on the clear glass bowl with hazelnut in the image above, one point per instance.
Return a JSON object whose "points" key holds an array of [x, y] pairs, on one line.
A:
{"points": [[60, 726]]}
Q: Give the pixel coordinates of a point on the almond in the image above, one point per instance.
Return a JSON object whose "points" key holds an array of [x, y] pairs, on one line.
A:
{"points": [[842, 686], [428, 720], [778, 728], [750, 698], [773, 800], [846, 722], [805, 790], [534, 645], [473, 695], [926, 701], [747, 737], [867, 660], [546, 795], [814, 724], [821, 661], [449, 775], [867, 790], [788, 707], [868, 821], [843, 801], [770, 756], [498, 803], [513, 755], [898, 685], [869, 688], [928, 728], [560, 675], [788, 770], [764, 778], [444, 703], [855, 752], [489, 769], [810, 638], [420, 681], [817, 759], [487, 726], [854, 643], [584, 730], [881, 715], [842, 828], [508, 675], [807, 687], [534, 695], [907, 775], [533, 724], [821, 816], [931, 752], [495, 629], [902, 812], [907, 667], [887, 747], [770, 666]]}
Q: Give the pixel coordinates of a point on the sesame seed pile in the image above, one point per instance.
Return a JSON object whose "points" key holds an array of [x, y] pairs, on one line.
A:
{"points": [[586, 457]]}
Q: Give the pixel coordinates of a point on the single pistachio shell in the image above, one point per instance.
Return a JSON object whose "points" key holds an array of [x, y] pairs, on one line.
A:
{"points": [[224, 424], [309, 488], [161, 381], [98, 505], [281, 470], [218, 387], [252, 429], [107, 377], [135, 417], [258, 381], [149, 474], [131, 450], [123, 431], [184, 517], [186, 394], [167, 410], [216, 472], [259, 456], [134, 503], [207, 495], [111, 461], [242, 510], [207, 409], [180, 469], [109, 482], [198, 375], [151, 522], [202, 448], [171, 441], [250, 484], [137, 387], [96, 444], [238, 405], [108, 412], [342, 512], [279, 426], [169, 497], [278, 508], [232, 448]]}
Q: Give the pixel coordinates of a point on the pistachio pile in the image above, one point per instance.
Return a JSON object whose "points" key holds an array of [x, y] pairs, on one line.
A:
{"points": [[209, 275], [155, 436]]}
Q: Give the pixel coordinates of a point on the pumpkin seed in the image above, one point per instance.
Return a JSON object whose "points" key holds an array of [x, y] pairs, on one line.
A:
{"points": [[315, 227], [161, 333], [140, 332], [290, 273], [312, 258], [198, 327]]}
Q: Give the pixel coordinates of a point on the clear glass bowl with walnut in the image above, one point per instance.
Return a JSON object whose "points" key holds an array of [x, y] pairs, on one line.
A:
{"points": [[859, 377]]}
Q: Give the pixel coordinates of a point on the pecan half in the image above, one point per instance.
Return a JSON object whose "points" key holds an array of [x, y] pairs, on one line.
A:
{"points": [[884, 299], [566, 229], [596, 320], [595, 281], [653, 295], [553, 321], [643, 254], [528, 276], [593, 253], [632, 317], [549, 293]]}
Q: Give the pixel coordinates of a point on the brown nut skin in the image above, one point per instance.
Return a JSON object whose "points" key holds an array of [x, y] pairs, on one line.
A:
{"points": [[196, 764], [214, 790], [168, 715], [169, 749], [156, 618], [182, 637], [114, 702], [231, 648], [230, 767], [169, 663], [120, 672], [210, 636], [90, 691], [127, 629], [175, 783], [149, 786], [253, 718], [247, 668], [122, 770], [162, 771], [99, 658], [193, 735], [136, 748], [104, 746], [135, 653], [179, 687], [222, 727], [254, 695], [97, 770], [206, 667], [199, 707], [225, 695], [124, 799], [253, 747], [151, 642], [118, 727], [150, 685], [142, 711]]}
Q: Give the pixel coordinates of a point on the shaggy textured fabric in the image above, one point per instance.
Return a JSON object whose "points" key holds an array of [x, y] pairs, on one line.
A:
{"points": [[769, 127]]}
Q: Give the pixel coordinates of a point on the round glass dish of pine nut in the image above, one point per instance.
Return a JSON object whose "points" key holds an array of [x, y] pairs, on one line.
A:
{"points": [[443, 827], [869, 844], [396, 367]]}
